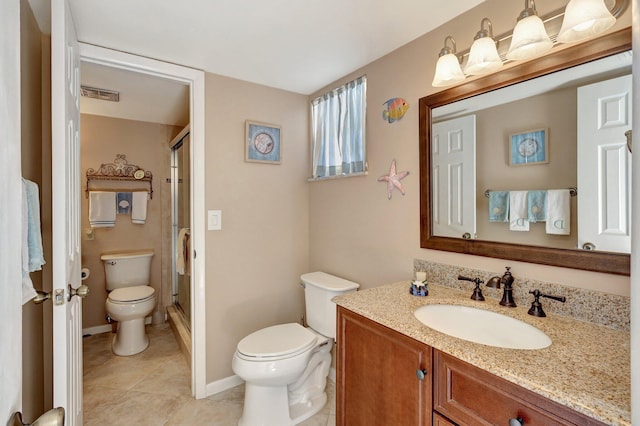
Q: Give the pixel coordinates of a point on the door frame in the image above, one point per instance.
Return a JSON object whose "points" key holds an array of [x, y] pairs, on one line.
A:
{"points": [[196, 81]]}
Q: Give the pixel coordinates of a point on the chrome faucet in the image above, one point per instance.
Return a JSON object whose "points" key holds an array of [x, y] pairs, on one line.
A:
{"points": [[506, 280]]}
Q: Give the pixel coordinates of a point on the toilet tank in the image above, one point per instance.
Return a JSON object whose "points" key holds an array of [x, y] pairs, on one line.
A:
{"points": [[127, 269], [319, 289]]}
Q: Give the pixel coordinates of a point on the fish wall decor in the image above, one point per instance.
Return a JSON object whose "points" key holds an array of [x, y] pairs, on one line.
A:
{"points": [[395, 109]]}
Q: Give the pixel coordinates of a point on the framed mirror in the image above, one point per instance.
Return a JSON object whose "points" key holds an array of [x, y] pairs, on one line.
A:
{"points": [[525, 149]]}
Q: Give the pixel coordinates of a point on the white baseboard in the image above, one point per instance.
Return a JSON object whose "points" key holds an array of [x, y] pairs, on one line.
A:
{"points": [[222, 385], [105, 328], [233, 381]]}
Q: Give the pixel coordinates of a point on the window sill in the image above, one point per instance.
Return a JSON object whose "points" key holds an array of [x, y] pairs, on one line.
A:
{"points": [[337, 177]]}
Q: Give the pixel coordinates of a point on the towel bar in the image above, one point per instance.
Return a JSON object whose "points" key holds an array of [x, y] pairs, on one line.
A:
{"points": [[572, 190]]}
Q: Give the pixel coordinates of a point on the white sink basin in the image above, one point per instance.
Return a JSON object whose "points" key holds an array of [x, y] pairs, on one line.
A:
{"points": [[480, 326]]}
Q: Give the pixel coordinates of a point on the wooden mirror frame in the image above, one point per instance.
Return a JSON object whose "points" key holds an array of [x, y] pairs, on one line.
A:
{"points": [[613, 263]]}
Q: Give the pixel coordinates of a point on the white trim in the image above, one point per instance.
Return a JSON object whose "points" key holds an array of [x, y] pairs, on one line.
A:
{"points": [[106, 328], [98, 329], [332, 374], [196, 80], [319, 179], [223, 384], [635, 226]]}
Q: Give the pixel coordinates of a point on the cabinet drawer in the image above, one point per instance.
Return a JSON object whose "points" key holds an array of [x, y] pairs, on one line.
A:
{"points": [[439, 420], [469, 395]]}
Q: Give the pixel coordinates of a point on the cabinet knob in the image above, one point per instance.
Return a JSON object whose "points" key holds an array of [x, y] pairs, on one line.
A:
{"points": [[421, 374], [516, 422]]}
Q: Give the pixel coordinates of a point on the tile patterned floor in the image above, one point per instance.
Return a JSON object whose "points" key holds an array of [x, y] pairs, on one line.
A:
{"points": [[153, 388]]}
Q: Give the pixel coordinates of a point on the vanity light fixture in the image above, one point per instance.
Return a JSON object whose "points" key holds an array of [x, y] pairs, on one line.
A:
{"points": [[530, 37], [583, 19], [448, 69], [483, 57]]}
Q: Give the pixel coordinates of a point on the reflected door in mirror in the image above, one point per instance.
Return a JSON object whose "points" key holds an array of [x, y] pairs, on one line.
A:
{"points": [[454, 177], [604, 166]]}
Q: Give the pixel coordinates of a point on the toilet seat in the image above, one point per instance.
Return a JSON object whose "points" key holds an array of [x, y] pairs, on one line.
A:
{"points": [[276, 342], [126, 295]]}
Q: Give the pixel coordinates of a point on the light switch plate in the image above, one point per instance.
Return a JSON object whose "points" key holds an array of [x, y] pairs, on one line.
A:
{"points": [[214, 220]]}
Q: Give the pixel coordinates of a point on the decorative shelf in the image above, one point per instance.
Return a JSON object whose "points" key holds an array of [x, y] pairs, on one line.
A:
{"points": [[119, 170]]}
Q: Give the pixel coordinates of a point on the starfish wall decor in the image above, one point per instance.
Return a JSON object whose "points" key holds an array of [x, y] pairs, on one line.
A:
{"points": [[393, 179]]}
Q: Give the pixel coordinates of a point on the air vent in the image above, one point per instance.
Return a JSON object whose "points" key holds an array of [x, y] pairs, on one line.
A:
{"points": [[101, 94]]}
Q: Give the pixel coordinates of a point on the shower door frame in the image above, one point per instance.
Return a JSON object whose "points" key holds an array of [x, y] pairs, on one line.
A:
{"points": [[175, 225], [195, 79]]}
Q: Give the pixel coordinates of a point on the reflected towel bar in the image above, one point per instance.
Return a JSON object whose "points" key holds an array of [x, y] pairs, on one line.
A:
{"points": [[572, 190]]}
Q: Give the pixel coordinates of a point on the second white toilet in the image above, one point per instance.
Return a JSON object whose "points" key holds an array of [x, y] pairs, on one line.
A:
{"points": [[130, 298], [285, 366]]}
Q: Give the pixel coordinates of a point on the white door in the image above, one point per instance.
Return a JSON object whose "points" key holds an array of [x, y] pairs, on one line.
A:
{"points": [[10, 213], [454, 177], [604, 165], [65, 119]]}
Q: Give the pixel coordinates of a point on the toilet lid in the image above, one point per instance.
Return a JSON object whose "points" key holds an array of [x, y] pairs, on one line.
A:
{"points": [[131, 294], [277, 341]]}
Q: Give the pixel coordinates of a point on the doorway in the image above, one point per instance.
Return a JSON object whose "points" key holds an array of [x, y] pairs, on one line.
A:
{"points": [[195, 80]]}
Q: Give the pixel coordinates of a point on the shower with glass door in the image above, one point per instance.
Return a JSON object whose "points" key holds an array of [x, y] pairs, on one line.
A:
{"points": [[181, 227]]}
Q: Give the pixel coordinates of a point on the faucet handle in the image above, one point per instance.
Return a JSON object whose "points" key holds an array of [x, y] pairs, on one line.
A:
{"points": [[536, 306], [477, 292]]}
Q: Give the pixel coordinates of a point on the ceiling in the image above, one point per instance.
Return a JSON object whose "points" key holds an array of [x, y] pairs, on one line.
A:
{"points": [[299, 46]]}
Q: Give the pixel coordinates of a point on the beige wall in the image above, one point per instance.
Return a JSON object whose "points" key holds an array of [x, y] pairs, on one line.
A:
{"points": [[146, 145], [254, 263], [555, 111], [355, 231], [33, 395]]}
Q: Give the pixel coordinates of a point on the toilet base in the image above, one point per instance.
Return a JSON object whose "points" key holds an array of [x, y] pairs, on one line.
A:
{"points": [[131, 338], [270, 407]]}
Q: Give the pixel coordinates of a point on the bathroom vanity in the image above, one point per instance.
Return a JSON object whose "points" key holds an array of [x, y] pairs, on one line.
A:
{"points": [[392, 369]]}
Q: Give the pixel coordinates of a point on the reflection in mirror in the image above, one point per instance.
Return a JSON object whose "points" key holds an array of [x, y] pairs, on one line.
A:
{"points": [[538, 135], [497, 158]]}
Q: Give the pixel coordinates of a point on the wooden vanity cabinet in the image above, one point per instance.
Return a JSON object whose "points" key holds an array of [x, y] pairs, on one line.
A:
{"points": [[377, 380], [377, 384], [468, 395]]}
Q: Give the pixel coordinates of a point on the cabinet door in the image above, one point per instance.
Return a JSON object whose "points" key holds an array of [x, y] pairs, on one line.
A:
{"points": [[377, 380], [468, 395]]}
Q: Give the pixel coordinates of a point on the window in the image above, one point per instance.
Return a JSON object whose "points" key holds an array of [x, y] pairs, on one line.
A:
{"points": [[338, 131]]}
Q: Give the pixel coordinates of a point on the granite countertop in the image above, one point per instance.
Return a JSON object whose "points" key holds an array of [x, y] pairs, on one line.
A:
{"points": [[586, 368]]}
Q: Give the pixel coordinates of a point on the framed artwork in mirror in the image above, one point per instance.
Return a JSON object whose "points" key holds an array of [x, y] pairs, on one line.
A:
{"points": [[530, 147], [262, 143]]}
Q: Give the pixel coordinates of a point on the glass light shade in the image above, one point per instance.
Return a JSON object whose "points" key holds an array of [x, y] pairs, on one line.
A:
{"points": [[583, 19], [529, 39], [483, 57], [448, 71]]}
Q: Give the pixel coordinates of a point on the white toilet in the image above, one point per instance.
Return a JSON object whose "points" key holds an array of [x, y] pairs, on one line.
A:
{"points": [[130, 298], [285, 366]]}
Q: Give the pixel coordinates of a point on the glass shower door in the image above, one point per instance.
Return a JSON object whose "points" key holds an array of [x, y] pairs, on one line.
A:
{"points": [[181, 214]]}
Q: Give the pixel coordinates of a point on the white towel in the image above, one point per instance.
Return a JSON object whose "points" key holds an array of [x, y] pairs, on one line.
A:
{"points": [[28, 292], [518, 217], [102, 209], [139, 207], [559, 212], [182, 251]]}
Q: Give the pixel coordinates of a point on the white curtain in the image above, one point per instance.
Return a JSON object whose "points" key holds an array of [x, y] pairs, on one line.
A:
{"points": [[338, 130]]}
